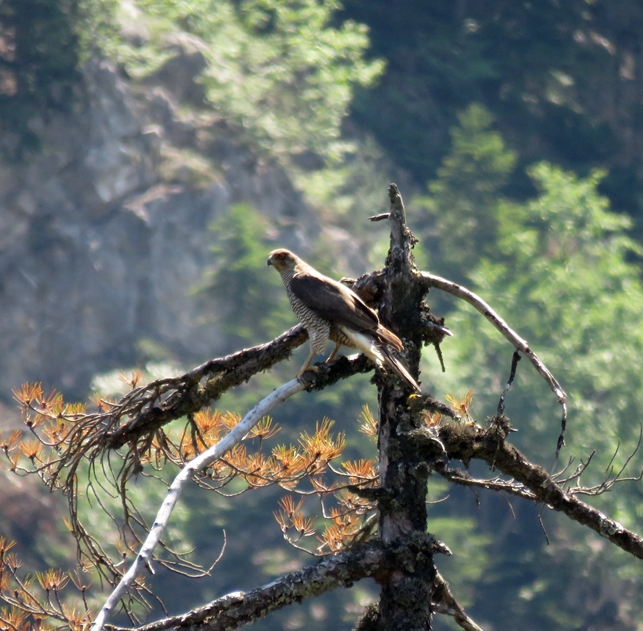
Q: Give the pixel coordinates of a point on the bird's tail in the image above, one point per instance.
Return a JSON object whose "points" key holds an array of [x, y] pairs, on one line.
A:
{"points": [[381, 354], [399, 368]]}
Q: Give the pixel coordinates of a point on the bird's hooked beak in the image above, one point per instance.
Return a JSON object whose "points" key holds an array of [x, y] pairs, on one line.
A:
{"points": [[279, 259]]}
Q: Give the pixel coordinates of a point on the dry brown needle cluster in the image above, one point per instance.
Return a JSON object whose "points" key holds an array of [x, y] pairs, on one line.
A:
{"points": [[68, 447]]}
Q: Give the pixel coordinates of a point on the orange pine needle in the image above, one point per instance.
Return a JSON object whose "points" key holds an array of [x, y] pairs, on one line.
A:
{"points": [[463, 406], [369, 424]]}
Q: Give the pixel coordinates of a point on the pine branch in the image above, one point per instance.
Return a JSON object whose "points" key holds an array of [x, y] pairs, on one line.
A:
{"points": [[189, 396], [186, 393], [199, 463]]}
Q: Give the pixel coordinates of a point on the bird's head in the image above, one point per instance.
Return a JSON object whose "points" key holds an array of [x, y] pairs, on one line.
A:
{"points": [[282, 260]]}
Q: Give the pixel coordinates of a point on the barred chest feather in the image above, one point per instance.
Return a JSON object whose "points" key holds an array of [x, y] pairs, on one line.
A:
{"points": [[319, 330]]}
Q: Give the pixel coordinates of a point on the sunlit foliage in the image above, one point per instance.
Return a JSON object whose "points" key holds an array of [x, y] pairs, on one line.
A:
{"points": [[278, 69], [563, 270]]}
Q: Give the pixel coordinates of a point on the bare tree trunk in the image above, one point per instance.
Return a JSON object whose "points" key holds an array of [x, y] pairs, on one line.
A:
{"points": [[407, 592]]}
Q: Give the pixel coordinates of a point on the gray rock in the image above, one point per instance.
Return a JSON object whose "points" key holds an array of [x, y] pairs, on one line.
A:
{"points": [[99, 248]]}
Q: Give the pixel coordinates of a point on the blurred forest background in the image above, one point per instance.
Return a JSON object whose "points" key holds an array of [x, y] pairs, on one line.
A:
{"points": [[154, 151]]}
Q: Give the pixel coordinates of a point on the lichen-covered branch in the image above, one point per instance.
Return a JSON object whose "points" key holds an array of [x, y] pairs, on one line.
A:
{"points": [[465, 443], [188, 395], [370, 559], [240, 608], [457, 476], [166, 400]]}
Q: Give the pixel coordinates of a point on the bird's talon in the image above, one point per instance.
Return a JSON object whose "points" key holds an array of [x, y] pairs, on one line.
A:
{"points": [[309, 369]]}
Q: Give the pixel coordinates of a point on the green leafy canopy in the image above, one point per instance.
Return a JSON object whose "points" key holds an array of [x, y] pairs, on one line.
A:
{"points": [[277, 68], [562, 277], [562, 270]]}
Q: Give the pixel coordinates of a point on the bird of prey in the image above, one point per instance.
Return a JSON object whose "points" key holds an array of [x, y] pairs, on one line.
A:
{"points": [[330, 310]]}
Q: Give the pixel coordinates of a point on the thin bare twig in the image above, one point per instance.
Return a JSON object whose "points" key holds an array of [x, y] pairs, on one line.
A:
{"points": [[610, 478], [446, 603]]}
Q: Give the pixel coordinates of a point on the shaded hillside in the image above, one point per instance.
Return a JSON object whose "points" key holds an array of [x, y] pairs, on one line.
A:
{"points": [[104, 237]]}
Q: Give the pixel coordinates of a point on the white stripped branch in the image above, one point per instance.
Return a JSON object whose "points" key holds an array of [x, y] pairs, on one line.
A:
{"points": [[199, 463]]}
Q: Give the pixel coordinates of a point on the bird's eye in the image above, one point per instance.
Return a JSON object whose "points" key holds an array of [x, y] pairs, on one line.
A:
{"points": [[281, 256]]}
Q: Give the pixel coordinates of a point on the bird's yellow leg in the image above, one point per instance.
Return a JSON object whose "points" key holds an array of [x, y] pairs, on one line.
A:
{"points": [[332, 355], [307, 365]]}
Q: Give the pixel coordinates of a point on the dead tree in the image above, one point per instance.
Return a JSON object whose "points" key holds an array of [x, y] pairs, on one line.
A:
{"points": [[417, 436]]}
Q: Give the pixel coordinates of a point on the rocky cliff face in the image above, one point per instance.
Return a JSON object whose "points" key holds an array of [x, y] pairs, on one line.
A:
{"points": [[100, 244]]}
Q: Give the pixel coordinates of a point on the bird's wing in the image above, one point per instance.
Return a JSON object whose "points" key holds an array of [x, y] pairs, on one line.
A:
{"points": [[334, 302]]}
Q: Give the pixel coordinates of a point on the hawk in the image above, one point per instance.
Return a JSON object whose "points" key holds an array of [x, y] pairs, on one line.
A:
{"points": [[330, 310]]}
